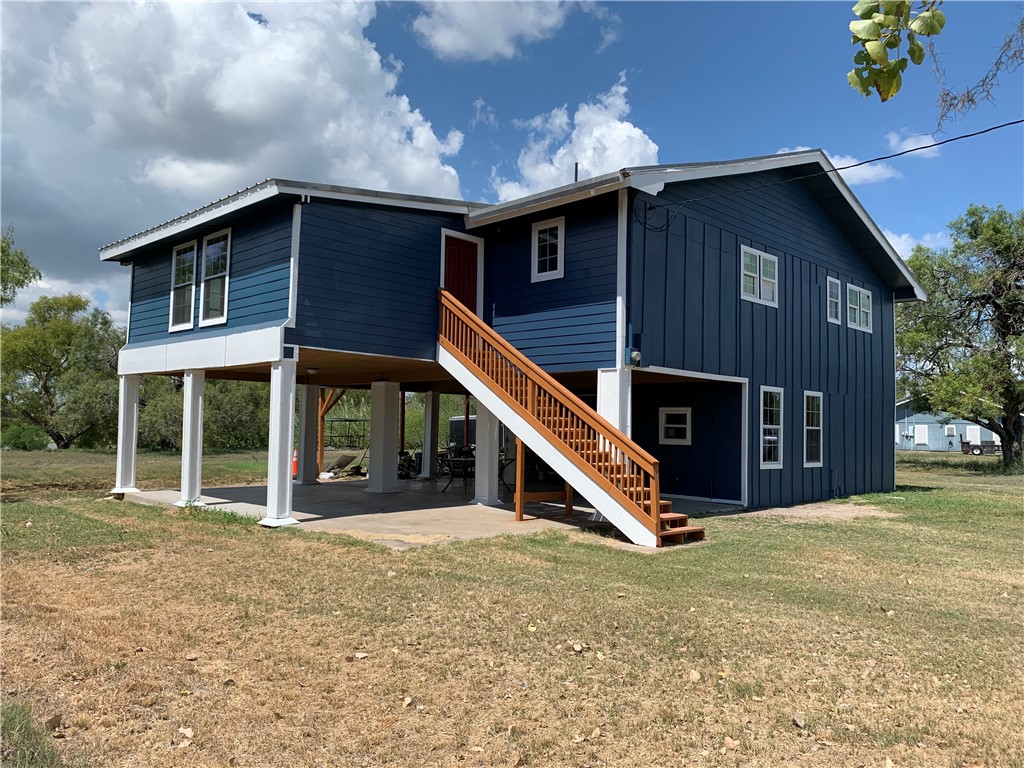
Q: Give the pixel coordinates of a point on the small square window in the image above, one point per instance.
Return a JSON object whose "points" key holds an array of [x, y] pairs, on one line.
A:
{"points": [[950, 430], [674, 426], [548, 250], [858, 308], [759, 279]]}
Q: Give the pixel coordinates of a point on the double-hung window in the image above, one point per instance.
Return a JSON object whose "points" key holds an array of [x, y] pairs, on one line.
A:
{"points": [[833, 300], [674, 426], [759, 276], [548, 250], [214, 291], [183, 271], [858, 308], [771, 428], [812, 429]]}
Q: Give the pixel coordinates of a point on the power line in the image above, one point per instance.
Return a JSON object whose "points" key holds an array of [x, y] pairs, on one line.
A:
{"points": [[678, 206]]}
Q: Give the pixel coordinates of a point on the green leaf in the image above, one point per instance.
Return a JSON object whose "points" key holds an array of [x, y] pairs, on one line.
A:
{"points": [[864, 9], [916, 52], [865, 30], [889, 81], [925, 24], [891, 22], [892, 41], [939, 17], [877, 51], [861, 57], [858, 82]]}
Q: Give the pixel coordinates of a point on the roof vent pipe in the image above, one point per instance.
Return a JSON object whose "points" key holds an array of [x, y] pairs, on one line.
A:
{"points": [[575, 172]]}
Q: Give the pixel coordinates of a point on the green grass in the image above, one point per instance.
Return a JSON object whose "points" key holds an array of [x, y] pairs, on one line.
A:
{"points": [[25, 743]]}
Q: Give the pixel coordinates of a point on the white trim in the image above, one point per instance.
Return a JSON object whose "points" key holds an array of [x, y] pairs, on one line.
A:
{"points": [[280, 444], [712, 499], [662, 413], [621, 258], [194, 396], [850, 320], [369, 354], [171, 327], [445, 234], [127, 434], [544, 201], [781, 427], [390, 199], [693, 374], [554, 274], [131, 292], [262, 345], [613, 398], [205, 322], [759, 278], [829, 282], [293, 266], [745, 457], [821, 429]]}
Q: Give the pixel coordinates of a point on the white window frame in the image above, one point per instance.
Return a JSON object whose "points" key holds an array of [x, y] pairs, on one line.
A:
{"points": [[920, 434], [820, 429], [759, 279], [171, 326], [853, 318], [950, 430], [662, 413], [838, 301], [535, 275], [782, 403], [204, 321]]}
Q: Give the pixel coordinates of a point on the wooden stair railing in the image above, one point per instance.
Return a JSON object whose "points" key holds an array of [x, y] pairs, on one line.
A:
{"points": [[608, 457]]}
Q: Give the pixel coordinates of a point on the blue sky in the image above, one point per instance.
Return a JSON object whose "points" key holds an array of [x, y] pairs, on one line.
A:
{"points": [[117, 116]]}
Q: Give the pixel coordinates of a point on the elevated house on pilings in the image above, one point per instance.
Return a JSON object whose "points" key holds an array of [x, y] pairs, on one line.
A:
{"points": [[716, 331]]}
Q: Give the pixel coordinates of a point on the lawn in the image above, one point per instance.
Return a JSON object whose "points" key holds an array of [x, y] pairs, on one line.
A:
{"points": [[185, 638]]}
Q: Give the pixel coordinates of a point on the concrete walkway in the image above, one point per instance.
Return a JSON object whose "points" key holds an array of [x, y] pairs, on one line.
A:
{"points": [[420, 513]]}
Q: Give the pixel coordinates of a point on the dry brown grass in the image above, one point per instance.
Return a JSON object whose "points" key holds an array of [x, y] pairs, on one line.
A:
{"points": [[772, 645]]}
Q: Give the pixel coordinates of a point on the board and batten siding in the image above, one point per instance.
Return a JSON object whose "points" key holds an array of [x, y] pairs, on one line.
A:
{"points": [[368, 279], [565, 324], [259, 277], [685, 312]]}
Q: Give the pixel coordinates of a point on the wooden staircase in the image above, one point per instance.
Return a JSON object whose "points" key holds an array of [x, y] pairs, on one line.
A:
{"points": [[615, 474]]}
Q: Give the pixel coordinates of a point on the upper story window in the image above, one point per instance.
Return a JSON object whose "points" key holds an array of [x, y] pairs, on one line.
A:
{"points": [[674, 426], [771, 428], [858, 308], [759, 276], [214, 291], [833, 300], [548, 257], [183, 271]]}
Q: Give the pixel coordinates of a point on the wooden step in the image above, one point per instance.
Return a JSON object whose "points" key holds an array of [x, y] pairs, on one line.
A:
{"points": [[693, 532], [677, 518], [664, 506]]}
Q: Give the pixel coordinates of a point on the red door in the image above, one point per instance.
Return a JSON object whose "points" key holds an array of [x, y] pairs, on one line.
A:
{"points": [[460, 270]]}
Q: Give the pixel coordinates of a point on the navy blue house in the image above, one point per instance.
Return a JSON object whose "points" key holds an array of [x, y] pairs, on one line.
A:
{"points": [[730, 324]]}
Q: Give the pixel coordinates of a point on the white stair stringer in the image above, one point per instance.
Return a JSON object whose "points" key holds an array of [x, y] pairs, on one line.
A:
{"points": [[552, 454]]}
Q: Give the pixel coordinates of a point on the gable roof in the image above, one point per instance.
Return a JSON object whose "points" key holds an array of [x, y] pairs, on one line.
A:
{"points": [[811, 167], [271, 188]]}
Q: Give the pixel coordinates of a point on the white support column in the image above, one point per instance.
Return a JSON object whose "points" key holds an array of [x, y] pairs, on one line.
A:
{"points": [[309, 424], [431, 413], [279, 457], [614, 398], [127, 433], [487, 426], [192, 439], [384, 407]]}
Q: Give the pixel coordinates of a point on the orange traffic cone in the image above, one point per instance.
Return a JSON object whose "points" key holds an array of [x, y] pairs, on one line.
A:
{"points": [[295, 463]]}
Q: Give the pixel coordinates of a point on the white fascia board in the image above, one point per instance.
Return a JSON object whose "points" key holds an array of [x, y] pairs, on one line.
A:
{"points": [[260, 345], [376, 198], [213, 211], [583, 190]]}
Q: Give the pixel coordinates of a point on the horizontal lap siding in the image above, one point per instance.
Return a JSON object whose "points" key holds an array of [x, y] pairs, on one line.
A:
{"points": [[685, 311], [368, 279], [567, 323], [258, 280]]}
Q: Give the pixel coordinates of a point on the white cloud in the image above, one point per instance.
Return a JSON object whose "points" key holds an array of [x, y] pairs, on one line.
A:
{"points": [[862, 174], [597, 137], [110, 294], [484, 31], [200, 99], [611, 23], [483, 114], [904, 243], [903, 140]]}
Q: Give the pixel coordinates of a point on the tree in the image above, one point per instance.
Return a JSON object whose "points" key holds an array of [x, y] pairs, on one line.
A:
{"points": [[880, 32], [16, 271], [59, 370], [962, 351]]}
